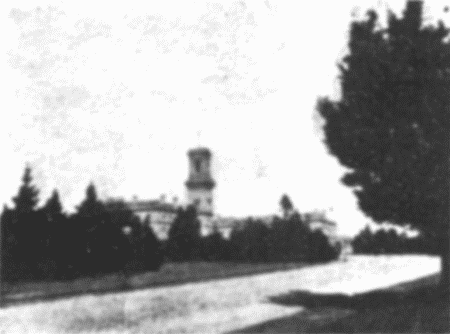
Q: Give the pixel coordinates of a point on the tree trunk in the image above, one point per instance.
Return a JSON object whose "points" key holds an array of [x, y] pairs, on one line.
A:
{"points": [[445, 265]]}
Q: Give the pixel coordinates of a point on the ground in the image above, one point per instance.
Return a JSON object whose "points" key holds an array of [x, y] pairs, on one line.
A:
{"points": [[294, 300]]}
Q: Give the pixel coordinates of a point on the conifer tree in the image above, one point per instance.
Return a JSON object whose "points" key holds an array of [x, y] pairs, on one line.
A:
{"points": [[27, 198], [286, 205], [53, 207], [390, 126], [183, 243], [91, 205]]}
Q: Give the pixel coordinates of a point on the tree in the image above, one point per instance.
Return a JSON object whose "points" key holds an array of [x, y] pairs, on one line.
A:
{"points": [[152, 255], [215, 247], [390, 126], [286, 205], [27, 198], [288, 239], [23, 230], [53, 207], [55, 225], [183, 243], [95, 234], [249, 241], [319, 248], [362, 243], [91, 207]]}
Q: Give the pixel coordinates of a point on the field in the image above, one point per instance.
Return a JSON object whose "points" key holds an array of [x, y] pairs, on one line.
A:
{"points": [[331, 297]]}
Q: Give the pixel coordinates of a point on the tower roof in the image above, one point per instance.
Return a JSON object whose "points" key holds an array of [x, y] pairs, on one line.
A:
{"points": [[200, 151]]}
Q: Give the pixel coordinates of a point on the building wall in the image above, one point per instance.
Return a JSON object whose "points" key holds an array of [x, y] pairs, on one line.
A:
{"points": [[203, 199]]}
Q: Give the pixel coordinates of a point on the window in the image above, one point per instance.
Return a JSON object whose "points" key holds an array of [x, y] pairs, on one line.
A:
{"points": [[210, 201], [197, 201]]}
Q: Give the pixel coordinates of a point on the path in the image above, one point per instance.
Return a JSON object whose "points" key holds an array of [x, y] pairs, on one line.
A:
{"points": [[211, 307]]}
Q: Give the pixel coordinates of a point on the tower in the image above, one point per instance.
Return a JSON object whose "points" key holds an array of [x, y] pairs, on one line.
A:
{"points": [[200, 183]]}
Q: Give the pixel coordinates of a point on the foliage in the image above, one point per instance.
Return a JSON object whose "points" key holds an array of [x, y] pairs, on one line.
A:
{"points": [[91, 208], [25, 234], [250, 242], [146, 250], [53, 207], [286, 240], [286, 205], [319, 248], [44, 243], [184, 242], [391, 242], [215, 247], [390, 126], [27, 198]]}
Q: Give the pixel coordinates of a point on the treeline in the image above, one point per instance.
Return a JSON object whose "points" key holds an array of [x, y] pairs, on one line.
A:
{"points": [[45, 243], [391, 242], [287, 239]]}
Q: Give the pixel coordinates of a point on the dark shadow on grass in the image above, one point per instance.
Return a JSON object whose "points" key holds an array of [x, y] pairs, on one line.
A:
{"points": [[416, 306]]}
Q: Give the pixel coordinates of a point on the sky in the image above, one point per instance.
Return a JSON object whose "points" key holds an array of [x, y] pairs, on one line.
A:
{"points": [[117, 95]]}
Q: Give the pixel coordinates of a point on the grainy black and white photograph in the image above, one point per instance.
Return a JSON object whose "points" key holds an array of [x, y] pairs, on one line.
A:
{"points": [[221, 166]]}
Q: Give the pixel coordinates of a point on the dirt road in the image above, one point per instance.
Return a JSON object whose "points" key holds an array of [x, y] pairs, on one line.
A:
{"points": [[211, 307]]}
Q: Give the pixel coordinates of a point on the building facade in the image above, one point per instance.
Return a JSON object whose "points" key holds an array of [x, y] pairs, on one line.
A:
{"points": [[199, 192], [200, 184]]}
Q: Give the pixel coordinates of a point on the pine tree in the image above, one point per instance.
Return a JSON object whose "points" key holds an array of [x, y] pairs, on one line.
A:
{"points": [[24, 231], [90, 221], [183, 243], [286, 205], [53, 207], [152, 251], [55, 231], [390, 126], [91, 206], [27, 198]]}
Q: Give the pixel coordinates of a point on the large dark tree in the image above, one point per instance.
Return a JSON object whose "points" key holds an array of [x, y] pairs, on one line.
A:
{"points": [[391, 124]]}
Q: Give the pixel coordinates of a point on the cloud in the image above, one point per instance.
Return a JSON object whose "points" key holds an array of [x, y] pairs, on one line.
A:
{"points": [[65, 97]]}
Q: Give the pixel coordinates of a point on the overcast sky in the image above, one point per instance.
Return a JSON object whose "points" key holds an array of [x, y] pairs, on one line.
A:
{"points": [[117, 94]]}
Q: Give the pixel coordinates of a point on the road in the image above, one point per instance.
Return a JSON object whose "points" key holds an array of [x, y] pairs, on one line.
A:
{"points": [[211, 307]]}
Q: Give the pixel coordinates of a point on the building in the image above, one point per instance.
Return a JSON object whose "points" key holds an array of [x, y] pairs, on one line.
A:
{"points": [[200, 184], [199, 192]]}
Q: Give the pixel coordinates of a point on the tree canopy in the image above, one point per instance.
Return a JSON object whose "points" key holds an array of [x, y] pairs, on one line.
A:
{"points": [[391, 124], [286, 205], [390, 127], [27, 197]]}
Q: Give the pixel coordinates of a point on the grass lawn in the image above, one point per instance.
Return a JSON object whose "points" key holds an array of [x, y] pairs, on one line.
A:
{"points": [[169, 274]]}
